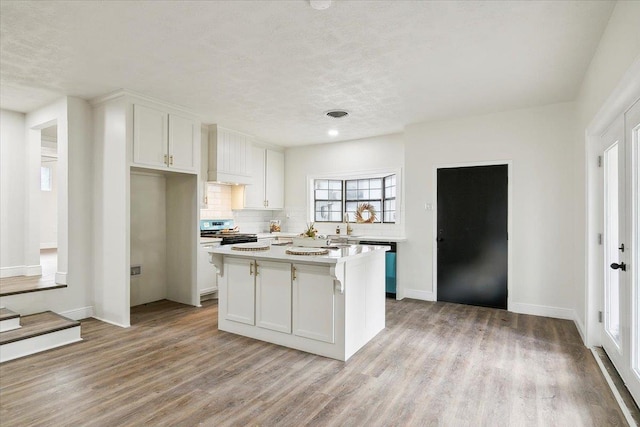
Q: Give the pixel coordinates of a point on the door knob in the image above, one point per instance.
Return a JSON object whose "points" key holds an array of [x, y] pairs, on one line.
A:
{"points": [[622, 266]]}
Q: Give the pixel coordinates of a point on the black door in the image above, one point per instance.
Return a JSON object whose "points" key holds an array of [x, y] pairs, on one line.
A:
{"points": [[472, 235]]}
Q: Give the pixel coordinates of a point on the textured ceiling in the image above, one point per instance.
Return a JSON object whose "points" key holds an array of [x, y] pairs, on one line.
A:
{"points": [[271, 68]]}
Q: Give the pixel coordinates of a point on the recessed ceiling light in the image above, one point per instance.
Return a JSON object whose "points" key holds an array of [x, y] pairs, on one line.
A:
{"points": [[337, 114], [333, 132], [320, 4]]}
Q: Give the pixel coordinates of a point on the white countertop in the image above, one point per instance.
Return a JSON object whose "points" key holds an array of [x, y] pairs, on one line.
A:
{"points": [[339, 254], [210, 240], [352, 237]]}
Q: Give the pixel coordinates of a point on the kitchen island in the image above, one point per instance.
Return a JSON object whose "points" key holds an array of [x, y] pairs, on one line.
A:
{"points": [[330, 305]]}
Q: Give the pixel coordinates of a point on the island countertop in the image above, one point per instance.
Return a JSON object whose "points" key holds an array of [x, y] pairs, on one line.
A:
{"points": [[340, 253]]}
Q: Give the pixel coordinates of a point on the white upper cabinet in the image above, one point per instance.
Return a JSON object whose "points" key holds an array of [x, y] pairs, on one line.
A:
{"points": [[274, 185], [254, 197], [162, 140], [267, 190], [229, 156]]}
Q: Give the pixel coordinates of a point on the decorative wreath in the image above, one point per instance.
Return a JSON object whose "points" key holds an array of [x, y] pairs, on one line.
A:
{"points": [[368, 208]]}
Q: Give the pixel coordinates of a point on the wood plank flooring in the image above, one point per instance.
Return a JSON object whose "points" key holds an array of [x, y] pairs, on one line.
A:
{"points": [[437, 364]]}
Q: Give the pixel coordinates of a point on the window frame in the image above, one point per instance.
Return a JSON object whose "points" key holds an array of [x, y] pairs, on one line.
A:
{"points": [[344, 177]]}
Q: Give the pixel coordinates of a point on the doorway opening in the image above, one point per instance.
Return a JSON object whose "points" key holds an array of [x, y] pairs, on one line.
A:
{"points": [[48, 205], [472, 224]]}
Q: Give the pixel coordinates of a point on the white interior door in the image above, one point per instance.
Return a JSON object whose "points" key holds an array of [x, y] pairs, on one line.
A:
{"points": [[632, 135], [620, 329]]}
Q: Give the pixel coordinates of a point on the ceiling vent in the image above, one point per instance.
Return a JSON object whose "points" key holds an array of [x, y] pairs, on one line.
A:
{"points": [[337, 114]]}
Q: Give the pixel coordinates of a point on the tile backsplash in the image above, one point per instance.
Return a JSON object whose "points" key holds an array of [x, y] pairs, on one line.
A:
{"points": [[219, 207], [292, 219]]}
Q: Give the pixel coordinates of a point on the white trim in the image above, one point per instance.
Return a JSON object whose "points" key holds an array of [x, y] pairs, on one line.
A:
{"points": [[18, 270], [128, 325], [26, 347], [21, 270], [614, 389], [360, 174], [509, 163], [10, 324], [418, 294], [208, 290], [620, 99], [543, 310], [49, 245], [61, 278], [78, 313], [33, 270], [579, 325]]}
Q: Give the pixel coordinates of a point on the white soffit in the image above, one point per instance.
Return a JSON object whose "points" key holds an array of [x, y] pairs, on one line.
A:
{"points": [[271, 68]]}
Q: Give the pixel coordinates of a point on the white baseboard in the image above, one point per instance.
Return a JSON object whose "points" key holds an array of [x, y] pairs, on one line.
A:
{"points": [[418, 294], [33, 270], [580, 327], [543, 310], [50, 245], [17, 270], [21, 270], [208, 290], [61, 278], [110, 322], [78, 313]]}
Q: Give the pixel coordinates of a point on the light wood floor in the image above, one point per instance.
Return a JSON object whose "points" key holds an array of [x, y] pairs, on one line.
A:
{"points": [[435, 364]]}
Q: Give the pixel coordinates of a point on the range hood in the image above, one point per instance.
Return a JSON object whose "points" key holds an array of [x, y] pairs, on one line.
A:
{"points": [[229, 157]]}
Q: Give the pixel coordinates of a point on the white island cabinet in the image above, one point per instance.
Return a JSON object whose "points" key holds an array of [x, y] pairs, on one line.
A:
{"points": [[331, 305]]}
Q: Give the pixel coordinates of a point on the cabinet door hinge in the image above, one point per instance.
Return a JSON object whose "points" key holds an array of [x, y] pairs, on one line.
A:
{"points": [[600, 317], [599, 161]]}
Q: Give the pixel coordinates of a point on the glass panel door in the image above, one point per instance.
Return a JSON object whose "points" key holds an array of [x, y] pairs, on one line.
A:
{"points": [[621, 254], [611, 244], [615, 312]]}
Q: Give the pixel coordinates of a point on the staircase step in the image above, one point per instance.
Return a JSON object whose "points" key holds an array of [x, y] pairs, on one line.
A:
{"points": [[39, 332], [9, 320]]}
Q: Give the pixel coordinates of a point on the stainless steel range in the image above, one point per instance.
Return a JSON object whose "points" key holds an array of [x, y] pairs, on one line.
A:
{"points": [[226, 230]]}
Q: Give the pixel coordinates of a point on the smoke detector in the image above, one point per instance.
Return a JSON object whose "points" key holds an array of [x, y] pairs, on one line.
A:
{"points": [[337, 114], [320, 4]]}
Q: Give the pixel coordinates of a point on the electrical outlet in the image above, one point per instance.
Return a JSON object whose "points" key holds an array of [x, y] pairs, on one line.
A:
{"points": [[136, 270]]}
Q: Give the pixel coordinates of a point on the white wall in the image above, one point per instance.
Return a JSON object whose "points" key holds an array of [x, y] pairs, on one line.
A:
{"points": [[386, 152], [73, 117], [49, 208], [12, 193], [599, 101], [148, 237], [538, 143]]}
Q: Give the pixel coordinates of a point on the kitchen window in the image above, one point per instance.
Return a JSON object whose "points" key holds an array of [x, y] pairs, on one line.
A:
{"points": [[333, 199]]}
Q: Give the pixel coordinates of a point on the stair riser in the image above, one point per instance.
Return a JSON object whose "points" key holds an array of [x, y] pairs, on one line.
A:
{"points": [[40, 343], [9, 324]]}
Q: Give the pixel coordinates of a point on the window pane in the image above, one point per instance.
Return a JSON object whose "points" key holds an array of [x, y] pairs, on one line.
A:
{"points": [[389, 205], [375, 194], [352, 185], [321, 184], [335, 185], [375, 183], [352, 194], [336, 216], [351, 206], [45, 178], [363, 184], [335, 195], [363, 194], [322, 194], [352, 216]]}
